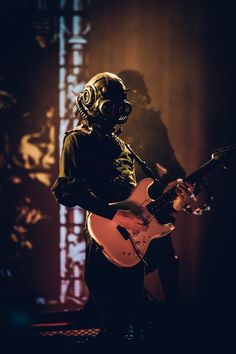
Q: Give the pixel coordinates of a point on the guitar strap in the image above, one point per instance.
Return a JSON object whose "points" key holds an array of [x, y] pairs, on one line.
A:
{"points": [[147, 170]]}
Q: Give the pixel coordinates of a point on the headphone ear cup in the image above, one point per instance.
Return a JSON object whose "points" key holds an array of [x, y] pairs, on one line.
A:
{"points": [[126, 108], [106, 108], [88, 96]]}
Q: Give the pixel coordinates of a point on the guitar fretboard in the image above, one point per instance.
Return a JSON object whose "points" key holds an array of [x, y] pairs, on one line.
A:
{"points": [[163, 201]]}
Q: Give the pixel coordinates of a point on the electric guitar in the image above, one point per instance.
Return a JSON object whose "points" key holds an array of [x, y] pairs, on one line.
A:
{"points": [[120, 245]]}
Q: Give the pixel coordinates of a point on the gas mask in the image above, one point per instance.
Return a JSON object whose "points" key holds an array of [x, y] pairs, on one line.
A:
{"points": [[103, 101]]}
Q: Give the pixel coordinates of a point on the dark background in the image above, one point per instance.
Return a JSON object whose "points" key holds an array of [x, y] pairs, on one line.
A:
{"points": [[186, 52]]}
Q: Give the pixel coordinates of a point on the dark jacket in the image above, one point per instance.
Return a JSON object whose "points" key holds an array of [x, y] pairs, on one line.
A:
{"points": [[94, 170]]}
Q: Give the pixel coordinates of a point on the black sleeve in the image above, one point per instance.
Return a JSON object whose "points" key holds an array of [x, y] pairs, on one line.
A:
{"points": [[70, 188]]}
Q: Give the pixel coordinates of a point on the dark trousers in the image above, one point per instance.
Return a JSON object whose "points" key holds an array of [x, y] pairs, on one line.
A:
{"points": [[161, 255], [116, 291]]}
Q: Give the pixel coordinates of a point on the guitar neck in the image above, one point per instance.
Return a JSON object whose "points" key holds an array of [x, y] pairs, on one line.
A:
{"points": [[168, 198], [202, 171]]}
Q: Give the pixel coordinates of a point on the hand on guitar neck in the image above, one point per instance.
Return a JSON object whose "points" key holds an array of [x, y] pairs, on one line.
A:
{"points": [[184, 191]]}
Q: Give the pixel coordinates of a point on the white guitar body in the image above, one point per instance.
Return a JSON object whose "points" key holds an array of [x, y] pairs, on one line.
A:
{"points": [[119, 245]]}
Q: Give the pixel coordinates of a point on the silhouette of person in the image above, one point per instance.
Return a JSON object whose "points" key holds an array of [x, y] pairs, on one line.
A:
{"points": [[96, 169], [148, 136]]}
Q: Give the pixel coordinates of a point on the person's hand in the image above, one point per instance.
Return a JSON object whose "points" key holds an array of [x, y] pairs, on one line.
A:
{"points": [[183, 190], [130, 221]]}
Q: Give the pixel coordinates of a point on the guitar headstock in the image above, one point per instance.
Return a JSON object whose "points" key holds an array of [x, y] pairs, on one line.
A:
{"points": [[223, 152]]}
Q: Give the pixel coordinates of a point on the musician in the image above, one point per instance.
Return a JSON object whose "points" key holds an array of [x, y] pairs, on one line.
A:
{"points": [[96, 168]]}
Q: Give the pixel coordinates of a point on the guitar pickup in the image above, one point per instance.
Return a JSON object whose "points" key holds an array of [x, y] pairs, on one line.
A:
{"points": [[123, 232]]}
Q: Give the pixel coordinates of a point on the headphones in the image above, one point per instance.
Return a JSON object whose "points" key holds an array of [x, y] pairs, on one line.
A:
{"points": [[104, 98]]}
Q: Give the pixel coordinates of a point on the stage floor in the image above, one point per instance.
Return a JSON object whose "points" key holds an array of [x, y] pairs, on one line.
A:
{"points": [[169, 328]]}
